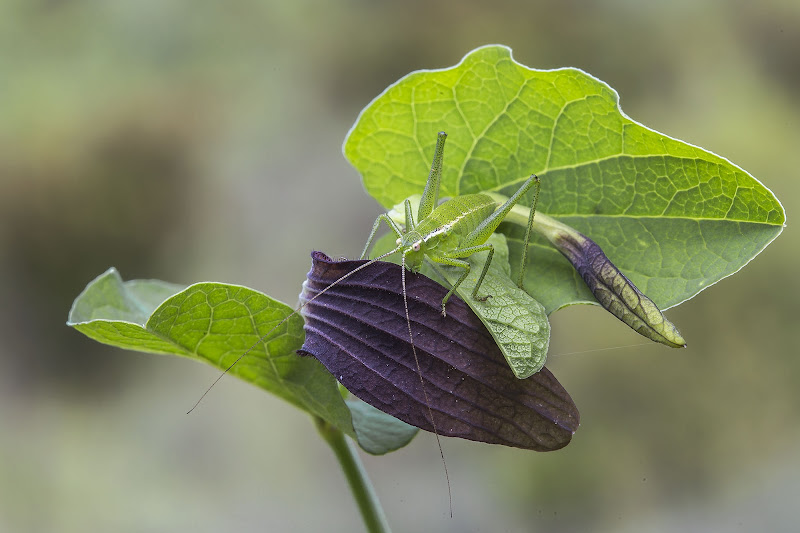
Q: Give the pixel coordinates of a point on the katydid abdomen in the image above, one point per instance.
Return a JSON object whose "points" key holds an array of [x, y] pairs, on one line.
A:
{"points": [[448, 226]]}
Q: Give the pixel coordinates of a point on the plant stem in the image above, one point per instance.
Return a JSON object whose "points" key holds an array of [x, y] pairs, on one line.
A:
{"points": [[360, 485]]}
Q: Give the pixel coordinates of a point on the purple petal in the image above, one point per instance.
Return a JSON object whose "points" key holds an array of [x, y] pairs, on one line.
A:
{"points": [[357, 329], [614, 290]]}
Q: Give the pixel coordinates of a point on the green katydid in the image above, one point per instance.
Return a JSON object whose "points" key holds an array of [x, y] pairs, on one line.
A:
{"points": [[454, 230]]}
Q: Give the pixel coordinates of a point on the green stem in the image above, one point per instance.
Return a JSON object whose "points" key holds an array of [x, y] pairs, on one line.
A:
{"points": [[360, 485], [544, 225]]}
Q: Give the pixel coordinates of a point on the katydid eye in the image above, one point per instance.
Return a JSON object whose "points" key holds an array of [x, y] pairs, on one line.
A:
{"points": [[416, 246]]}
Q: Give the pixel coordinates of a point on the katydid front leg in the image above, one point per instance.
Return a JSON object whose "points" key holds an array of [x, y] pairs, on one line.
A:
{"points": [[389, 222]]}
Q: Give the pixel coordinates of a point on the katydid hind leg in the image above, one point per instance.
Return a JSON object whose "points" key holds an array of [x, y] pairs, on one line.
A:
{"points": [[483, 275], [430, 196], [482, 232], [410, 225], [526, 242]]}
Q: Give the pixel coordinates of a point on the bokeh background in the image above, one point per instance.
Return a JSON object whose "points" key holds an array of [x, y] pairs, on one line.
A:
{"points": [[199, 140]]}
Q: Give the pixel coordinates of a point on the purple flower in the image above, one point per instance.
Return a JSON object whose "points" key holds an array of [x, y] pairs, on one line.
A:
{"points": [[357, 328], [610, 287]]}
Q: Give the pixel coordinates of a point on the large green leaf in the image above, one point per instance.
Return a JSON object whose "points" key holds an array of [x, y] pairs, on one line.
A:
{"points": [[673, 217], [214, 323]]}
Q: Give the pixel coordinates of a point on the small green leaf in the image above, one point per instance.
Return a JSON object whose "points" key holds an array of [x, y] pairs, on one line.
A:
{"points": [[214, 323], [517, 322], [378, 433], [110, 298], [114, 312], [673, 217]]}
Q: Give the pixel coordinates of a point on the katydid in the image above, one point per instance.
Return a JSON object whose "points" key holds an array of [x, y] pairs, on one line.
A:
{"points": [[454, 230]]}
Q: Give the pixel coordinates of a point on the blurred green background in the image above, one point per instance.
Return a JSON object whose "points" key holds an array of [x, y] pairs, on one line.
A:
{"points": [[199, 140]]}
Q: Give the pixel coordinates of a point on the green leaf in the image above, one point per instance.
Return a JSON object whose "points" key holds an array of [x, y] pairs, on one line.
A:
{"points": [[110, 298], [378, 432], [673, 217], [214, 323], [517, 322]]}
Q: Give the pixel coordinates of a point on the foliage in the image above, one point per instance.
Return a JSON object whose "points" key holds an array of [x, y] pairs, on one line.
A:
{"points": [[673, 217]]}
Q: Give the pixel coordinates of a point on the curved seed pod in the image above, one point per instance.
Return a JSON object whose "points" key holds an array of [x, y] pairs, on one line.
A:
{"points": [[358, 330]]}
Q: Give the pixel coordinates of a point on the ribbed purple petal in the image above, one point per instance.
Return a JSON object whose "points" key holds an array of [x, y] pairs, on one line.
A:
{"points": [[358, 330], [615, 291]]}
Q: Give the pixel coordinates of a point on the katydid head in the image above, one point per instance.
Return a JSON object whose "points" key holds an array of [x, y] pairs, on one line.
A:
{"points": [[412, 246]]}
